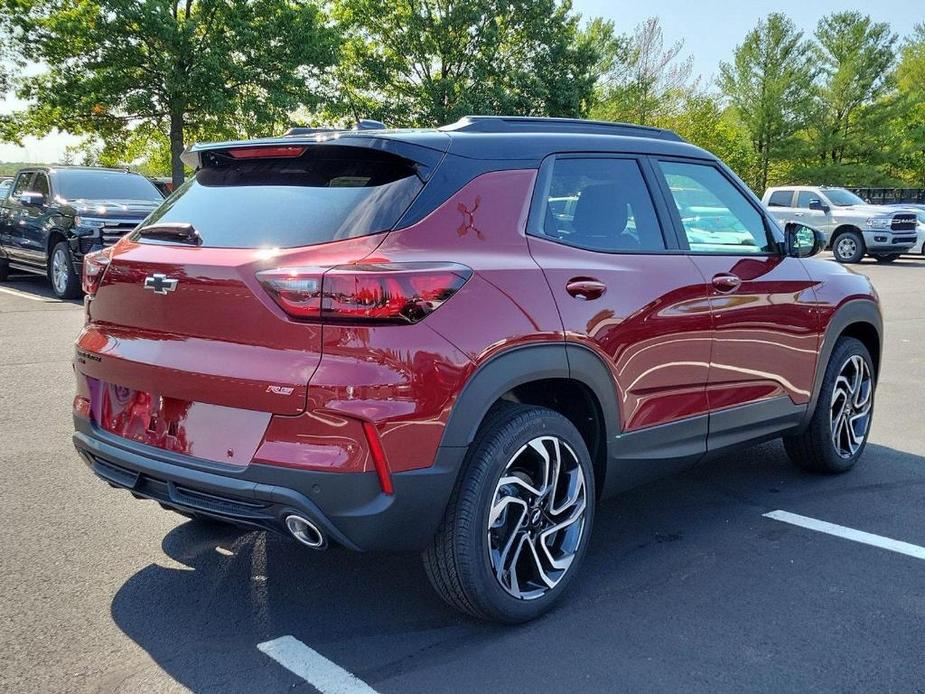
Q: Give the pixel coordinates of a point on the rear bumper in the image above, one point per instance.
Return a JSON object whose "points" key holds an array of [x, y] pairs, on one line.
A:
{"points": [[349, 508]]}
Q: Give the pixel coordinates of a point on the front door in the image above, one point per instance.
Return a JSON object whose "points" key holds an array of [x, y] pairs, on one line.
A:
{"points": [[626, 292], [765, 323]]}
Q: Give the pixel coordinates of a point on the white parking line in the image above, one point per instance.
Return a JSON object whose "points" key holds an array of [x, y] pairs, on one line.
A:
{"points": [[849, 533], [314, 668], [24, 295]]}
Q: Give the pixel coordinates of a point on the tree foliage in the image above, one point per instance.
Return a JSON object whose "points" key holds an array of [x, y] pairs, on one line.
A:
{"points": [[769, 84], [427, 62], [174, 67], [645, 82]]}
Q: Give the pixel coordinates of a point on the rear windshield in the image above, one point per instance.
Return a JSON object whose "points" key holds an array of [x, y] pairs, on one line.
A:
{"points": [[104, 185], [329, 193]]}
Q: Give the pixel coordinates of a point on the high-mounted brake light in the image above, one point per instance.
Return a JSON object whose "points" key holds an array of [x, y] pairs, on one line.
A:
{"points": [[283, 152], [95, 265], [396, 293]]}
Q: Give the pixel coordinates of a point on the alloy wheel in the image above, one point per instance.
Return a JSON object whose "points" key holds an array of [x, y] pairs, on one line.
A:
{"points": [[852, 402], [59, 270], [537, 517]]}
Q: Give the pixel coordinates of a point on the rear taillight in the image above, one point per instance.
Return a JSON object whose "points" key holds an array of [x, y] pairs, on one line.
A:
{"points": [[283, 152], [397, 293], [95, 265]]}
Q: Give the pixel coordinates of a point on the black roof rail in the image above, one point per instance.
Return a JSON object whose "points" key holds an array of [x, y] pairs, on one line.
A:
{"points": [[530, 124]]}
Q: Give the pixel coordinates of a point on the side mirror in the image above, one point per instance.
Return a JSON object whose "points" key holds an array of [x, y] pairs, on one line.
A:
{"points": [[32, 199], [816, 204], [802, 241]]}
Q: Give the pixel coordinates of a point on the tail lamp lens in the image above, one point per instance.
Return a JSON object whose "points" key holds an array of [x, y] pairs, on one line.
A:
{"points": [[396, 293], [95, 265]]}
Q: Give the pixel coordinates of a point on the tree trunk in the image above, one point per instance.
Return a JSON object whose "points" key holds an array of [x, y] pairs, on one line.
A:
{"points": [[176, 148]]}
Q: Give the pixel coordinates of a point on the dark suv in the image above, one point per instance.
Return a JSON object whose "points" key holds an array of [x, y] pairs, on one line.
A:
{"points": [[457, 341], [54, 215]]}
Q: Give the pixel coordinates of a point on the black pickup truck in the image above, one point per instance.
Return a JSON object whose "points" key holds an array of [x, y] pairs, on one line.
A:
{"points": [[54, 215]]}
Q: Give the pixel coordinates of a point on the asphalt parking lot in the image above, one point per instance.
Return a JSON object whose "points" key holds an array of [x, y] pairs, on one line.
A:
{"points": [[688, 586]]}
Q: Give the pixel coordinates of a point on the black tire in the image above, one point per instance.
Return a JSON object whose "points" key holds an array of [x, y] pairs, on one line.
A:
{"points": [[460, 560], [815, 448], [887, 257], [4, 269], [64, 282], [848, 247]]}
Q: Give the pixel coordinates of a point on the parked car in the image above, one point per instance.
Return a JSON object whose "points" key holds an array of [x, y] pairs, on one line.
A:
{"points": [[5, 185], [851, 226], [55, 215], [456, 341], [919, 247]]}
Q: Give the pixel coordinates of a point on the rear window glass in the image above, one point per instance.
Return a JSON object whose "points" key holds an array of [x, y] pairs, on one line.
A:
{"points": [[328, 193]]}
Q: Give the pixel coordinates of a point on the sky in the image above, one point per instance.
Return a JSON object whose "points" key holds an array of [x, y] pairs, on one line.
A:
{"points": [[710, 29]]}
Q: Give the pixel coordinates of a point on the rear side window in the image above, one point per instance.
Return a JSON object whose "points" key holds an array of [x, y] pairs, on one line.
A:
{"points": [[601, 205], [716, 216], [328, 193], [23, 181], [780, 198]]}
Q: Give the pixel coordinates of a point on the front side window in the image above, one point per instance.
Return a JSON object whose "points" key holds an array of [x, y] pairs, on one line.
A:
{"points": [[804, 197], [601, 205], [40, 184], [780, 198], [716, 216]]}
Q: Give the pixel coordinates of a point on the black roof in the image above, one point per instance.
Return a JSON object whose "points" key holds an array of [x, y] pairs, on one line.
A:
{"points": [[487, 137]]}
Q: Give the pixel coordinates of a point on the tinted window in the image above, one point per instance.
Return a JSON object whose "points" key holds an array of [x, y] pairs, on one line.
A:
{"points": [[803, 198], [328, 193], [23, 181], [780, 198], [40, 184], [5, 187], [89, 184], [601, 205], [716, 216]]}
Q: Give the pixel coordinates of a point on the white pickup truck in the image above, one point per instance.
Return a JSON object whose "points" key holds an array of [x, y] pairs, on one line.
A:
{"points": [[852, 227]]}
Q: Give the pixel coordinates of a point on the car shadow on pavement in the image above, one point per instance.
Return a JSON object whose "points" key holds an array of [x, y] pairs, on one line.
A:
{"points": [[201, 616], [36, 286]]}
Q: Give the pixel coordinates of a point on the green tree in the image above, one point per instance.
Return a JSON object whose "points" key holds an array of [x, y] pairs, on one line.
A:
{"points": [[769, 84], [856, 57], [169, 67], [910, 127], [646, 82], [420, 62]]}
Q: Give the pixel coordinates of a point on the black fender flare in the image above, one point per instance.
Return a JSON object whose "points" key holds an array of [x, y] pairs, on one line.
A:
{"points": [[851, 312], [523, 364]]}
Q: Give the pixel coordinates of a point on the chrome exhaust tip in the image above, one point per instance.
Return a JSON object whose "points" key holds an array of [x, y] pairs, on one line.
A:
{"points": [[305, 531]]}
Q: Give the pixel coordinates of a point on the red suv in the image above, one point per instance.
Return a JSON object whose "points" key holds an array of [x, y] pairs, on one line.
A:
{"points": [[458, 340]]}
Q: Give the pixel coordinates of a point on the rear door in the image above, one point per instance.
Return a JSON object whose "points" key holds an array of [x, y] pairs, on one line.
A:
{"points": [[32, 222], [765, 325], [11, 233], [175, 325], [626, 292]]}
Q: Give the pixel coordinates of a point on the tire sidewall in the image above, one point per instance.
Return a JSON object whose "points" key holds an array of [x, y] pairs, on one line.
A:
{"points": [[490, 595]]}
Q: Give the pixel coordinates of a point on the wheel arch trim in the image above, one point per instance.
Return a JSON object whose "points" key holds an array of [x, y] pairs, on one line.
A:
{"points": [[852, 312], [524, 364]]}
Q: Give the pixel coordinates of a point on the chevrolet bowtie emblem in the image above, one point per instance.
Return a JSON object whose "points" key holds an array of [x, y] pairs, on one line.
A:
{"points": [[160, 284]]}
